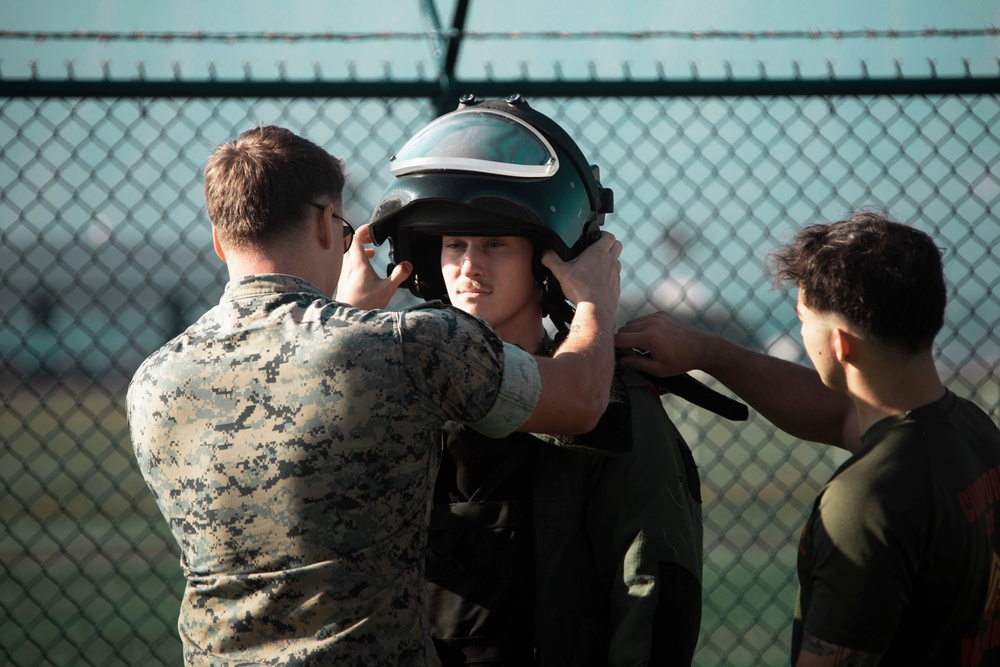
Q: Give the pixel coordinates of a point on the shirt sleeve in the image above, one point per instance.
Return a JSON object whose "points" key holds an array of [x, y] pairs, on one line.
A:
{"points": [[461, 367], [520, 388]]}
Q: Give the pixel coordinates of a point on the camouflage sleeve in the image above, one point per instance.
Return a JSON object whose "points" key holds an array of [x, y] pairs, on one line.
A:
{"points": [[460, 365], [519, 391]]}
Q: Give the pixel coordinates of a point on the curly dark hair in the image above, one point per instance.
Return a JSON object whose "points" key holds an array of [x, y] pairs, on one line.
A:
{"points": [[884, 277], [258, 186]]}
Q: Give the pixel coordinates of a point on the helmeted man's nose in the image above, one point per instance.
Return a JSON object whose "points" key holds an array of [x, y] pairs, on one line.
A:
{"points": [[471, 266]]}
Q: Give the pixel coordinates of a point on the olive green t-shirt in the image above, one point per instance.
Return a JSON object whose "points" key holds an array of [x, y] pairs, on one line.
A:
{"points": [[900, 552]]}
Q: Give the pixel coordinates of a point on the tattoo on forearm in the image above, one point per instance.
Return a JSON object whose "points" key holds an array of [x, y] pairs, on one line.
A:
{"points": [[813, 644], [842, 656]]}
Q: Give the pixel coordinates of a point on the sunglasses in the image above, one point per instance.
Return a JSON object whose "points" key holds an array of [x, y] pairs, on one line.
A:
{"points": [[348, 227]]}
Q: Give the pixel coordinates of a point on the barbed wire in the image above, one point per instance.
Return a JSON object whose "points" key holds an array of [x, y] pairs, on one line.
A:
{"points": [[550, 35]]}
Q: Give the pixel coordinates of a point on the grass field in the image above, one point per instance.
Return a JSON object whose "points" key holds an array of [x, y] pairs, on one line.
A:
{"points": [[91, 574]]}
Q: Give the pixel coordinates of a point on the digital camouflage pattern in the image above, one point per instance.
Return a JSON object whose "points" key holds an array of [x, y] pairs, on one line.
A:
{"points": [[289, 442]]}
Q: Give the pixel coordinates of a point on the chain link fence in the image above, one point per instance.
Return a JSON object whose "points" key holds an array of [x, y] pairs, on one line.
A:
{"points": [[105, 253]]}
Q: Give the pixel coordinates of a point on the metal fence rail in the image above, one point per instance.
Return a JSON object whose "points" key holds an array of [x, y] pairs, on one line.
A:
{"points": [[105, 252]]}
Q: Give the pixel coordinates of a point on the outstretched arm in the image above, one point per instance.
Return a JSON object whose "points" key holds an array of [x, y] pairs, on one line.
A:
{"points": [[576, 381], [790, 396]]}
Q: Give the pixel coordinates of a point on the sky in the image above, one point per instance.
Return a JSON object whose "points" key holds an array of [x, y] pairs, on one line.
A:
{"points": [[412, 56]]}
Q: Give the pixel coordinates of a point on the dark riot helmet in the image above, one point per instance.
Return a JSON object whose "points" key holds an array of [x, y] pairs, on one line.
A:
{"points": [[489, 168]]}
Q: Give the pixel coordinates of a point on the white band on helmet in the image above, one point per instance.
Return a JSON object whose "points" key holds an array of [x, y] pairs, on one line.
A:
{"points": [[481, 141]]}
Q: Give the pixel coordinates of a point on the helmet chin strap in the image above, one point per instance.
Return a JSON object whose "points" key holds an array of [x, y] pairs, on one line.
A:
{"points": [[557, 309]]}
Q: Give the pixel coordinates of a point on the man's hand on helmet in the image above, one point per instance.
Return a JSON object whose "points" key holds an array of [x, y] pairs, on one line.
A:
{"points": [[592, 277], [360, 285]]}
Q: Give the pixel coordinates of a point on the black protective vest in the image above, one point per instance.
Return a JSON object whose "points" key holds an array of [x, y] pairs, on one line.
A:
{"points": [[480, 563], [481, 558]]}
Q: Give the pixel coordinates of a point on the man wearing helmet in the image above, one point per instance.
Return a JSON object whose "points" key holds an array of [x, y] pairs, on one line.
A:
{"points": [[585, 551]]}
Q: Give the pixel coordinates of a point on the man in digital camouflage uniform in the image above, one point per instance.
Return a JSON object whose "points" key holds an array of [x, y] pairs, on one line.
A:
{"points": [[579, 551], [289, 440]]}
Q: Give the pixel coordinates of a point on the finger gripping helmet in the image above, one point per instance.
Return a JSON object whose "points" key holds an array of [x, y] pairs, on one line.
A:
{"points": [[491, 168]]}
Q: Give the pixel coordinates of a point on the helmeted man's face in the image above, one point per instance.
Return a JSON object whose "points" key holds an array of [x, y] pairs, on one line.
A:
{"points": [[490, 277]]}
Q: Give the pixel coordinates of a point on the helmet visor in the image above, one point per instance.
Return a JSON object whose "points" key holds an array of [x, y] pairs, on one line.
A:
{"points": [[480, 141]]}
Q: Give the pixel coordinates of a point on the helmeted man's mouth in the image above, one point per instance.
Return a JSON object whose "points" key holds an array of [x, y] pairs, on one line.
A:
{"points": [[474, 287]]}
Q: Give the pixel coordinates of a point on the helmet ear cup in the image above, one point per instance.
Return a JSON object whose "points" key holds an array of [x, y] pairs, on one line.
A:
{"points": [[426, 281]]}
